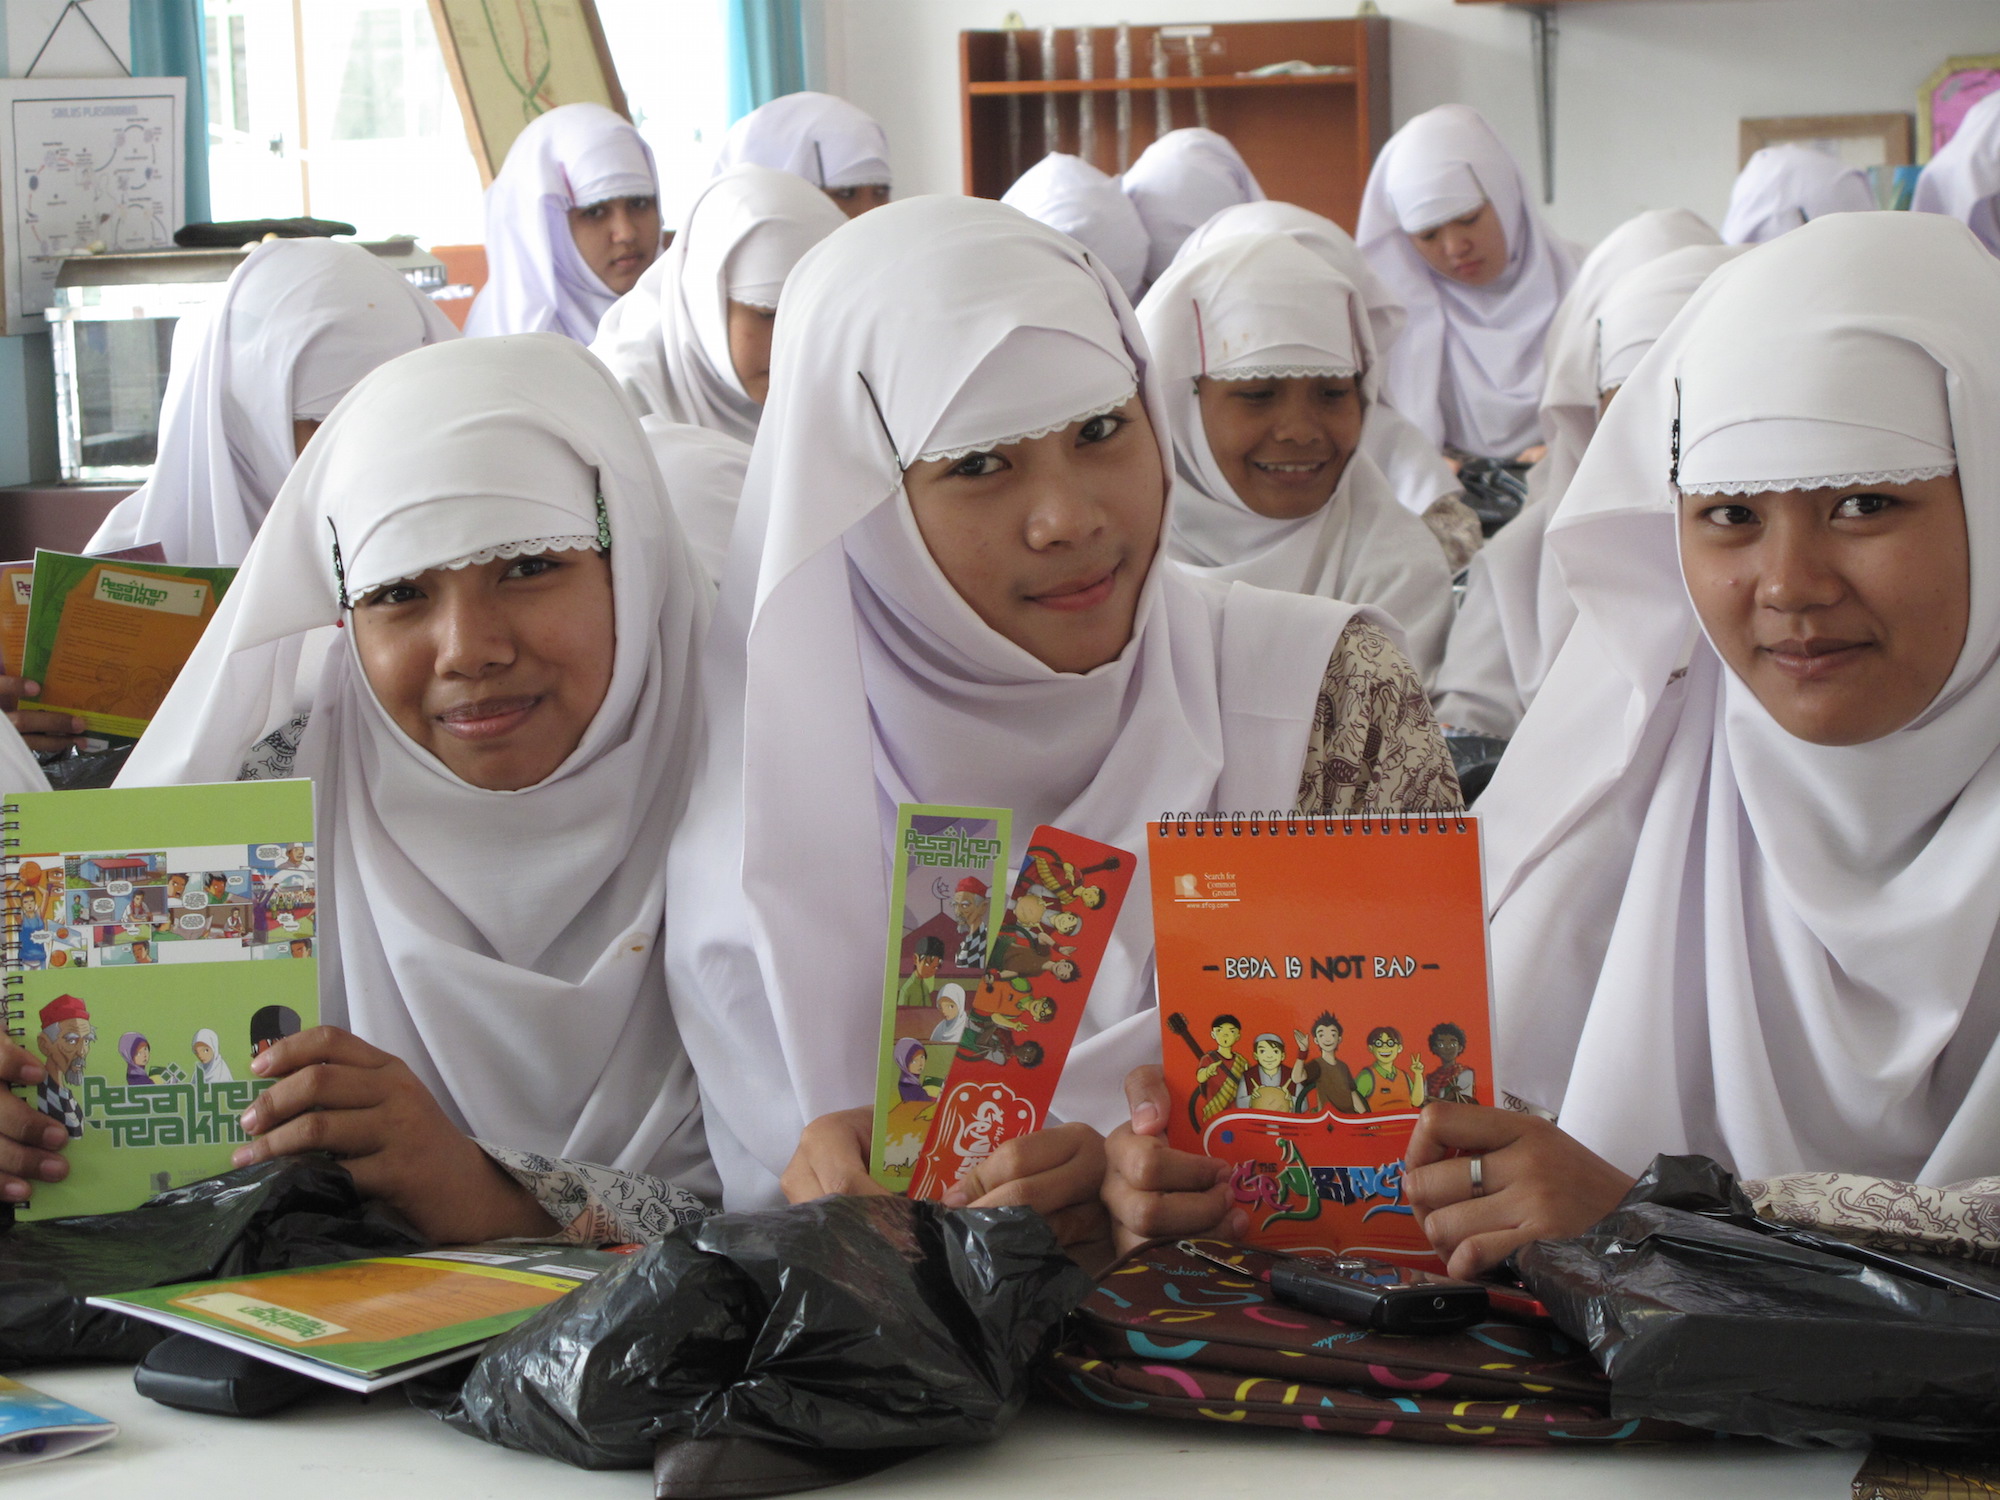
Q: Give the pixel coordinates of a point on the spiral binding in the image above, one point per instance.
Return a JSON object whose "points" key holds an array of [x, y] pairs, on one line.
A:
{"points": [[12, 899], [1310, 825]]}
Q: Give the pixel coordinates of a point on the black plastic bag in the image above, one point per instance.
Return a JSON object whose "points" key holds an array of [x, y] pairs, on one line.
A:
{"points": [[1495, 489], [1475, 757], [295, 1211], [1699, 1312], [841, 1324]]}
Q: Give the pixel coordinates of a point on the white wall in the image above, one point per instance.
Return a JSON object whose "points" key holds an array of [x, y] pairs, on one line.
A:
{"points": [[1648, 91]]}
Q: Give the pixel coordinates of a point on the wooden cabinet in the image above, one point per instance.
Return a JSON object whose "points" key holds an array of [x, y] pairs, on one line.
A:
{"points": [[1309, 138]]}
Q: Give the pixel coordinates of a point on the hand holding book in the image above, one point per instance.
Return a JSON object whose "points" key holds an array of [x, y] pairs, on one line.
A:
{"points": [[30, 1141]]}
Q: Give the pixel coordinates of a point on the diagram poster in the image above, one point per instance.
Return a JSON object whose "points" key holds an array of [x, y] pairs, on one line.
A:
{"points": [[85, 163]]}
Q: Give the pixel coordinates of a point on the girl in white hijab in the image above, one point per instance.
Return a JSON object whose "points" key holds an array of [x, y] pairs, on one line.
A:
{"points": [[299, 322], [1515, 612], [572, 220], [888, 482], [1782, 187], [215, 1067], [830, 143], [691, 342], [1182, 180], [1268, 361], [1426, 485], [1963, 179], [1066, 192], [1744, 856], [1448, 224], [484, 520]]}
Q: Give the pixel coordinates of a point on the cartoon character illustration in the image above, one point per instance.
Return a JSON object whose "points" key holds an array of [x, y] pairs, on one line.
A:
{"points": [[64, 1043], [1323, 1081], [920, 985], [1219, 1075], [910, 1057], [302, 947], [1054, 879], [37, 898], [970, 900], [216, 886], [295, 858], [1451, 1081], [138, 1054], [142, 950], [176, 891], [951, 1005], [1000, 1009], [1265, 1086], [1295, 1181], [269, 1025], [1383, 1087], [208, 1060]]}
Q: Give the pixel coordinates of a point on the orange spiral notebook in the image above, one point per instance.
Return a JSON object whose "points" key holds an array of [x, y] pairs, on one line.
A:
{"points": [[1320, 980]]}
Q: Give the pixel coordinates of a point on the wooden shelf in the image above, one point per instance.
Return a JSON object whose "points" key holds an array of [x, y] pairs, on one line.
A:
{"points": [[1147, 85], [1310, 140]]}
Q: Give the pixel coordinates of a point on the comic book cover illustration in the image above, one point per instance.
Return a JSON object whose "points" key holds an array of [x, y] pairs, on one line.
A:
{"points": [[1316, 989], [1012, 1031], [944, 926]]}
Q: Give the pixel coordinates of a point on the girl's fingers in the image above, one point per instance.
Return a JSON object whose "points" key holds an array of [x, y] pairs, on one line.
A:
{"points": [[325, 1086], [343, 1133]]}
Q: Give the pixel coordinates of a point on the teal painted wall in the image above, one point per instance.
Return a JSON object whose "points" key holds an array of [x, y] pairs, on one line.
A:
{"points": [[27, 410]]}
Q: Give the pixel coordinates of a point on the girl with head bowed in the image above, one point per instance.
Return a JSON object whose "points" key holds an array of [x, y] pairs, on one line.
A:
{"points": [[1515, 612], [1963, 178], [960, 598], [1066, 192], [828, 142], [500, 732], [1181, 181], [1782, 187], [1448, 224], [1744, 854], [572, 220], [1267, 358], [1424, 483]]}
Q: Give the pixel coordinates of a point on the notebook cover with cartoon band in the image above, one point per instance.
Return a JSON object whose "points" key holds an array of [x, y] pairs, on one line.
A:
{"points": [[1319, 980], [1016, 1024], [943, 925], [155, 939]]}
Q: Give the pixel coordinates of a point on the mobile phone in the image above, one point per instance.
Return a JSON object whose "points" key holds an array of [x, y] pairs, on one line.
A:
{"points": [[1378, 1295]]}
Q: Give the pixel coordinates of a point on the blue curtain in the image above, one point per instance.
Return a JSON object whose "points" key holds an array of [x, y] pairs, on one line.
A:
{"points": [[167, 43], [767, 52]]}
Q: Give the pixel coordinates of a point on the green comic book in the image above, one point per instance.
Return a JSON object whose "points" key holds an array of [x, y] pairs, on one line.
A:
{"points": [[157, 939], [943, 919]]}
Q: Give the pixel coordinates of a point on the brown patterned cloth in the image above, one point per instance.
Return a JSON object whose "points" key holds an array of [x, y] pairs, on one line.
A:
{"points": [[1167, 1334], [1375, 746], [1456, 527], [1961, 1220]]}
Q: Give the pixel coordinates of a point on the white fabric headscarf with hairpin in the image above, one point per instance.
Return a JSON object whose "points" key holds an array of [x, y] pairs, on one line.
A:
{"points": [[1181, 181], [1468, 370], [1782, 187], [298, 324], [1708, 935], [667, 340], [1415, 468], [1066, 192], [504, 944], [1256, 307], [537, 280], [858, 678], [825, 140], [1963, 178]]}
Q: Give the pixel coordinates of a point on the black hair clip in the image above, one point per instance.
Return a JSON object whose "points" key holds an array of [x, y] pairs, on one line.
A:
{"points": [[603, 525], [339, 572], [894, 452], [1674, 453]]}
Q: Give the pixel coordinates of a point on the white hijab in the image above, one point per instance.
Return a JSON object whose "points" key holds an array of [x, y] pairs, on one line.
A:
{"points": [[1415, 468], [1782, 187], [1963, 179], [536, 279], [505, 945], [827, 141], [1261, 306], [866, 680], [1709, 936], [1181, 181], [298, 324], [216, 1069], [19, 770], [704, 472], [1469, 368], [1066, 192], [667, 340]]}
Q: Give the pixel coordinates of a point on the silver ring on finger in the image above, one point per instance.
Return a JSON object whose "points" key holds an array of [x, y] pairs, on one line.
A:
{"points": [[1476, 1166]]}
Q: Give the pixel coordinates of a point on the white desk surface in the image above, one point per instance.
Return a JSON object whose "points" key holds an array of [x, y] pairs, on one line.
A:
{"points": [[335, 1447]]}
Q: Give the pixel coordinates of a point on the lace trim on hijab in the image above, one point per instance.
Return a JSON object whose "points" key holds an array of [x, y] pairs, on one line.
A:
{"points": [[1821, 482], [760, 305], [533, 546], [1027, 437], [1281, 372]]}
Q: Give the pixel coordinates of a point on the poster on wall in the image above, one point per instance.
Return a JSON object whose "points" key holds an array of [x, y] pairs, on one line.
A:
{"points": [[86, 164], [1957, 85], [512, 62]]}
